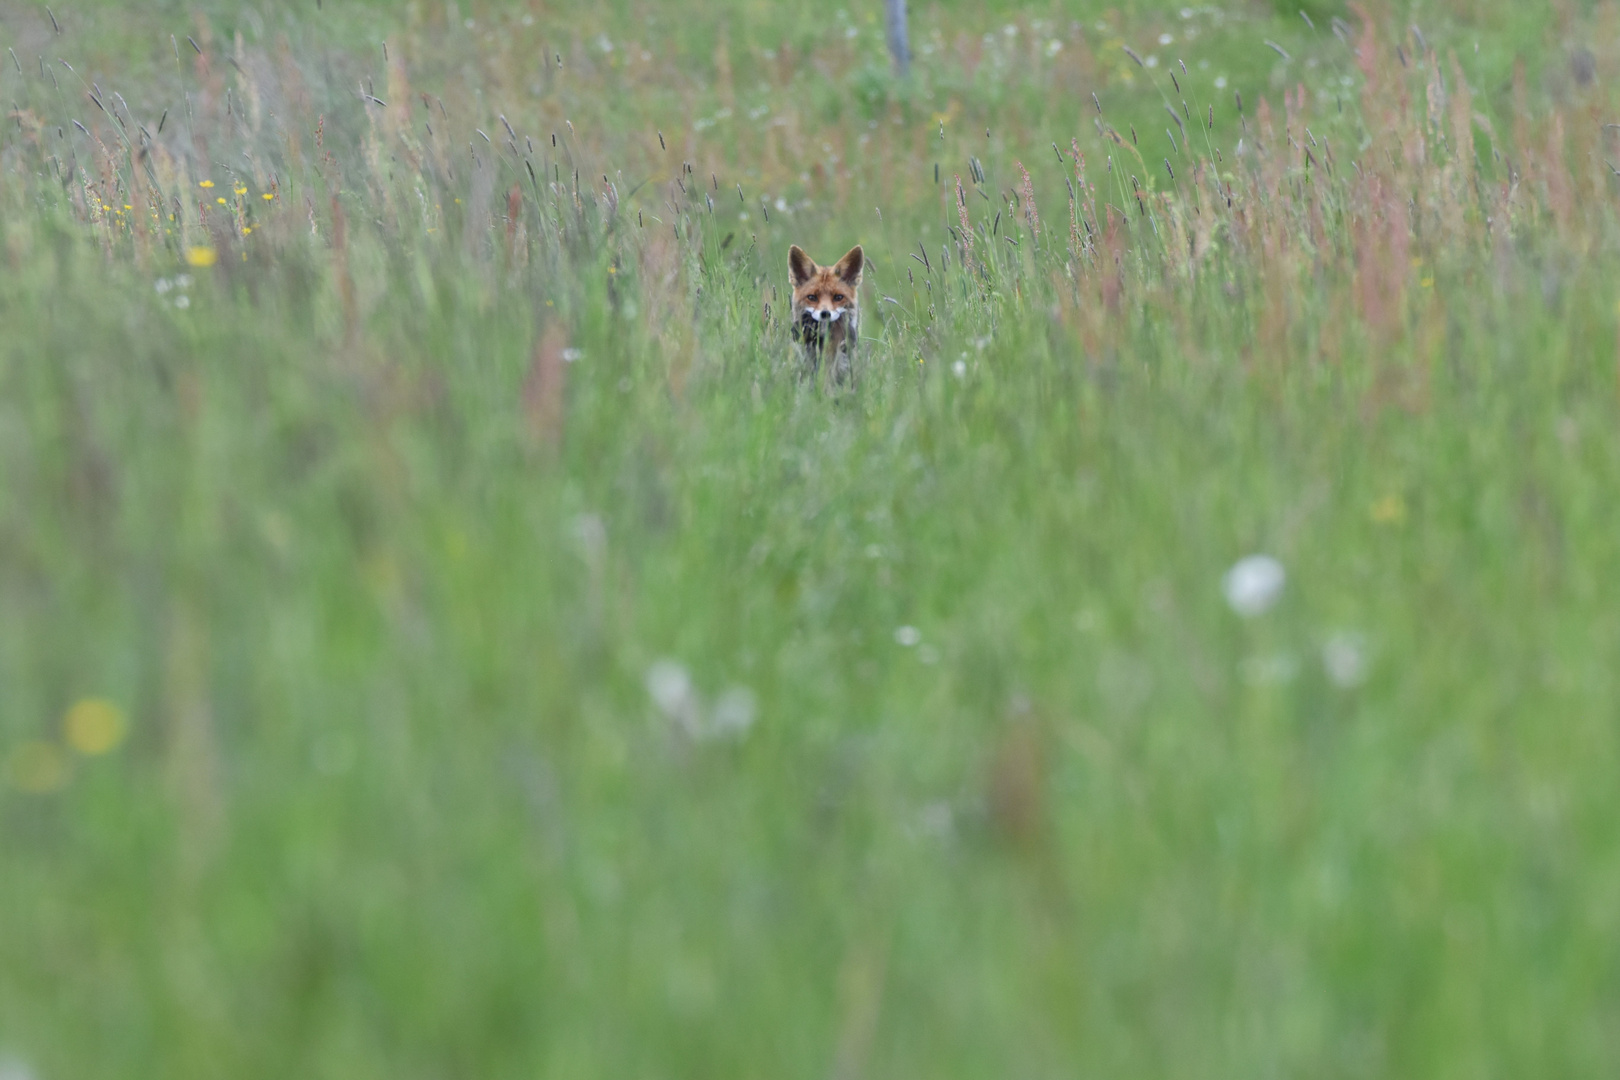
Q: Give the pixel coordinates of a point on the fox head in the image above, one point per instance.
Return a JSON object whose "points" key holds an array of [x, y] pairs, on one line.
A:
{"points": [[824, 294]]}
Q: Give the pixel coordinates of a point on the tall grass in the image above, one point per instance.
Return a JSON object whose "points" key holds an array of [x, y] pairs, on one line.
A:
{"points": [[442, 633]]}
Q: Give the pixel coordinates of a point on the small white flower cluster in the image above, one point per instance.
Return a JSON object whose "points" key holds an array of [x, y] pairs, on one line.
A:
{"points": [[909, 637], [673, 693], [1253, 586], [177, 285], [703, 123]]}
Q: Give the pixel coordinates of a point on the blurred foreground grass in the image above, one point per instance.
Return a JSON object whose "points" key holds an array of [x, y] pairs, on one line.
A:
{"points": [[440, 636]]}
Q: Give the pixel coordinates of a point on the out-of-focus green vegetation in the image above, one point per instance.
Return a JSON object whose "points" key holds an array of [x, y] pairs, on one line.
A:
{"points": [[442, 635]]}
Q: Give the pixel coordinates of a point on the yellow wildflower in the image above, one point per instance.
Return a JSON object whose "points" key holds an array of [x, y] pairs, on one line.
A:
{"points": [[205, 183], [221, 201], [267, 196], [94, 726], [201, 257], [37, 767], [1389, 510]]}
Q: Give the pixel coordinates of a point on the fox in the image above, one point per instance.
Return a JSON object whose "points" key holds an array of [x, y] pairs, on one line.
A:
{"points": [[826, 310]]}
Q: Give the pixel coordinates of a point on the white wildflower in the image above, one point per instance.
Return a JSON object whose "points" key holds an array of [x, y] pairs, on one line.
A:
{"points": [[671, 689], [1254, 584]]}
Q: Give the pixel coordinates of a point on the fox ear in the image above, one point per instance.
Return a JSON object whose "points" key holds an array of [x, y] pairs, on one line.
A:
{"points": [[801, 267], [849, 267]]}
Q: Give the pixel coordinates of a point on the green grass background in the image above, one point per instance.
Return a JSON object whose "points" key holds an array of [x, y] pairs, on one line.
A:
{"points": [[379, 596]]}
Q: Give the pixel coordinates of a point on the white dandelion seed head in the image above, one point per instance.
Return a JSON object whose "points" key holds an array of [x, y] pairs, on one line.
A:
{"points": [[1254, 584], [907, 636]]}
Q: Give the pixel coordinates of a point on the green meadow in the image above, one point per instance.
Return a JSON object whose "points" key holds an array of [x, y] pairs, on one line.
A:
{"points": [[443, 634]]}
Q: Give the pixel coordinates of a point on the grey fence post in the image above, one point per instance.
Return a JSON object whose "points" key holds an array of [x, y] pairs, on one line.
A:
{"points": [[899, 45]]}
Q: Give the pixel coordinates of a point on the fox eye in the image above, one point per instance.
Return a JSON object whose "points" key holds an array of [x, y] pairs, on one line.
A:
{"points": [[811, 298], [838, 298]]}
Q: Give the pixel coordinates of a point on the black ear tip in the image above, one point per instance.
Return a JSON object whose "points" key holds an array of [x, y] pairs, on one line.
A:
{"points": [[851, 265]]}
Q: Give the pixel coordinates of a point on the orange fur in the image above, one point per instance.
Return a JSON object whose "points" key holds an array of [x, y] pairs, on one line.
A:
{"points": [[826, 310]]}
